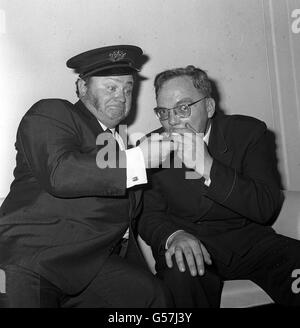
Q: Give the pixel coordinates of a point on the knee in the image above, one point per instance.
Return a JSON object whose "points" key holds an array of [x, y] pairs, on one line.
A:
{"points": [[175, 277], [162, 295], [179, 280], [156, 293]]}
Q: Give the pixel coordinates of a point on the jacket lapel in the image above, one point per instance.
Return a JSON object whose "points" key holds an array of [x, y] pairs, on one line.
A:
{"points": [[88, 117], [219, 150], [217, 145], [134, 196]]}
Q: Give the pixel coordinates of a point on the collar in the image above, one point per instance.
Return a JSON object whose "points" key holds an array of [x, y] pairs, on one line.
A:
{"points": [[80, 105], [104, 127], [207, 134]]}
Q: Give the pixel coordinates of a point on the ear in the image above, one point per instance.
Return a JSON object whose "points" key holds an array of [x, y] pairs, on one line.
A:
{"points": [[82, 87], [210, 107]]}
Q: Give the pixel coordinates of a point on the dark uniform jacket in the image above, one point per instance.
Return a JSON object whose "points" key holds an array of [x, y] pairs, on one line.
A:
{"points": [[64, 215], [232, 213]]}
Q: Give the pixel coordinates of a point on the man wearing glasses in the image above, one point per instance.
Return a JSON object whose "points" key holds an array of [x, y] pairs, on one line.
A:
{"points": [[206, 221]]}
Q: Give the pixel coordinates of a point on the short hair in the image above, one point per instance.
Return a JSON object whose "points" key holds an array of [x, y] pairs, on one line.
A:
{"points": [[85, 79], [198, 76]]}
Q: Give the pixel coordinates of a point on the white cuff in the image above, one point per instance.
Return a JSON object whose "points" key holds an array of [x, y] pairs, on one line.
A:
{"points": [[135, 167], [170, 237], [207, 182]]}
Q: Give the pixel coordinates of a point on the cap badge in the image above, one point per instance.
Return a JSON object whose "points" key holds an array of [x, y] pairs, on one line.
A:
{"points": [[117, 55]]}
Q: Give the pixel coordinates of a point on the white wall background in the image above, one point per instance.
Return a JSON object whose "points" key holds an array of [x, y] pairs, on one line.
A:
{"points": [[245, 45]]}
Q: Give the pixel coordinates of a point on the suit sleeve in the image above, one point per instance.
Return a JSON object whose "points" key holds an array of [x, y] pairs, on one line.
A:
{"points": [[155, 226], [253, 191], [50, 141]]}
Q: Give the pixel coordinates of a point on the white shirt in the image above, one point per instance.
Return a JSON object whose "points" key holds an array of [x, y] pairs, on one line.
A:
{"points": [[135, 165]]}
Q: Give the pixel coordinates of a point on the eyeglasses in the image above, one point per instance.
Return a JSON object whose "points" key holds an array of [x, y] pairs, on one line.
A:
{"points": [[182, 111]]}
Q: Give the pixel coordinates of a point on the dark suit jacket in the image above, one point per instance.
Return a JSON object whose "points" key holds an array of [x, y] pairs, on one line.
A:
{"points": [[64, 214], [231, 214]]}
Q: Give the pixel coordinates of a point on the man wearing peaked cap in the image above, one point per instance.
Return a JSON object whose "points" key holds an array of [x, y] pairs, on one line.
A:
{"points": [[106, 61], [68, 225]]}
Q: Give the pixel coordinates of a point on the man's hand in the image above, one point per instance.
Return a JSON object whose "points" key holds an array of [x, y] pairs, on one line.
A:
{"points": [[192, 151], [185, 244], [156, 149]]}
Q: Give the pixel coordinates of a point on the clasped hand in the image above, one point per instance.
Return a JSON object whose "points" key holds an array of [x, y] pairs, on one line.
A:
{"points": [[156, 149], [192, 151], [188, 145]]}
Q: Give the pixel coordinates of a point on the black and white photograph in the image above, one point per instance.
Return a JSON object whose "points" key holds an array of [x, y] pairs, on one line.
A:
{"points": [[150, 156]]}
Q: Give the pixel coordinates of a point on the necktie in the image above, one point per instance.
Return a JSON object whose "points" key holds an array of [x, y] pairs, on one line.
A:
{"points": [[121, 145], [118, 138]]}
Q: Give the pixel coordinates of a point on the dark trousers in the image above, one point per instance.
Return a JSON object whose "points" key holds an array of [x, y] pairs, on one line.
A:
{"points": [[192, 292], [269, 263], [118, 284]]}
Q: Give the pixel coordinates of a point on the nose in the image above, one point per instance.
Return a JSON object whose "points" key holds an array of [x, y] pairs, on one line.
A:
{"points": [[120, 95], [173, 119]]}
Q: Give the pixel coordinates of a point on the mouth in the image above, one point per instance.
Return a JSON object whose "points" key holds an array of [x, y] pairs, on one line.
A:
{"points": [[180, 130], [175, 129], [116, 107], [115, 111]]}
